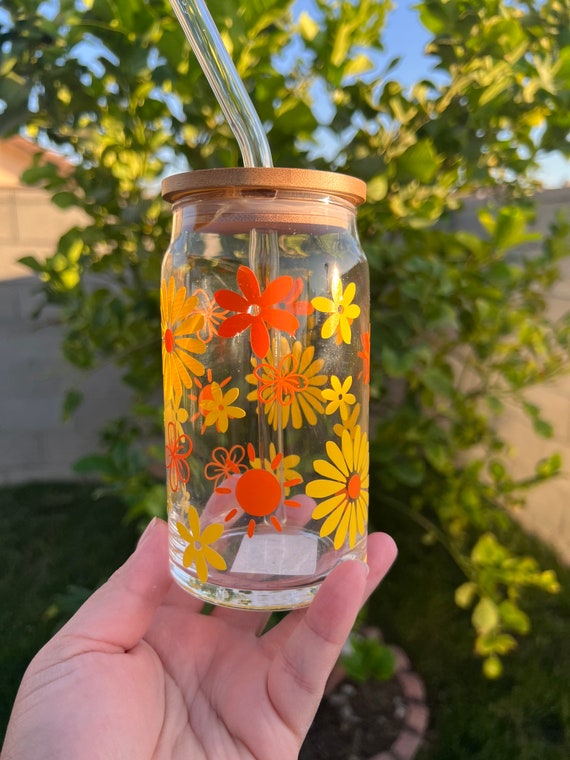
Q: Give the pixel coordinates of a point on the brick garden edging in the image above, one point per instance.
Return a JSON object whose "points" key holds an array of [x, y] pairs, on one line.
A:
{"points": [[416, 717]]}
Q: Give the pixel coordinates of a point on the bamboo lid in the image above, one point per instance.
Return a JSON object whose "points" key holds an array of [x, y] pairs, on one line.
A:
{"points": [[343, 186]]}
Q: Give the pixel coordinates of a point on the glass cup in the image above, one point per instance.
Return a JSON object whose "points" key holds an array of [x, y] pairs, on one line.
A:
{"points": [[266, 364]]}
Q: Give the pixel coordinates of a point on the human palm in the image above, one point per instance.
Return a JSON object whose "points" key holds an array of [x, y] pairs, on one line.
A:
{"points": [[138, 673]]}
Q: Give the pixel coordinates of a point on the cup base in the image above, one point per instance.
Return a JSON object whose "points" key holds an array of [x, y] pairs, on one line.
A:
{"points": [[266, 571], [239, 598]]}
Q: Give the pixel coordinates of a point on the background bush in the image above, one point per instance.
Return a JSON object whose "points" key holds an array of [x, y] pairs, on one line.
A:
{"points": [[114, 86]]}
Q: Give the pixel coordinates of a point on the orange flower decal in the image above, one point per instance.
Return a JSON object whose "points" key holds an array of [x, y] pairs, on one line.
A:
{"points": [[256, 310], [259, 492], [364, 373], [291, 389], [178, 449], [179, 322], [293, 302], [225, 463], [286, 467], [212, 315]]}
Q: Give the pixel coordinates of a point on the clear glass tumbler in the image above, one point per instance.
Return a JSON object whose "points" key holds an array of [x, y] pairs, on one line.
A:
{"points": [[266, 362]]}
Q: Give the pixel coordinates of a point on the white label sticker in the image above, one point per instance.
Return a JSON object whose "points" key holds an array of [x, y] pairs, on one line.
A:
{"points": [[276, 554]]}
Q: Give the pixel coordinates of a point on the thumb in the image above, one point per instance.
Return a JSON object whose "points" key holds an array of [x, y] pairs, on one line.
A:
{"points": [[118, 614]]}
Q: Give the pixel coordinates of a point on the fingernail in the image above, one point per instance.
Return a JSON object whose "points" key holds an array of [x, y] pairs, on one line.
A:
{"points": [[147, 532]]}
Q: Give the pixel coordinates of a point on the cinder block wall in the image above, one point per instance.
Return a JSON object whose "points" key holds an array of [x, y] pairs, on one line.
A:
{"points": [[547, 512], [35, 443]]}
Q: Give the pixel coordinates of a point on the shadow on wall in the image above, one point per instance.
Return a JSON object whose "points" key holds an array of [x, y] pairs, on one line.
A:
{"points": [[35, 442]]}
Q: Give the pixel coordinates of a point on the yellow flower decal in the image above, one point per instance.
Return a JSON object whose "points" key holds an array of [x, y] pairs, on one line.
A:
{"points": [[178, 415], [178, 323], [348, 423], [341, 309], [343, 488], [338, 396], [218, 409], [286, 469], [199, 552], [289, 390]]}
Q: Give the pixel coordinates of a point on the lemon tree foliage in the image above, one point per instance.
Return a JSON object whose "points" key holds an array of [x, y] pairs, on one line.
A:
{"points": [[113, 85]]}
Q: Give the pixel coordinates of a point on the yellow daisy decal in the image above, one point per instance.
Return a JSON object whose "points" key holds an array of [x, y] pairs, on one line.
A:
{"points": [[343, 488], [289, 389], [341, 309], [178, 323], [198, 551], [338, 396], [218, 409], [286, 471]]}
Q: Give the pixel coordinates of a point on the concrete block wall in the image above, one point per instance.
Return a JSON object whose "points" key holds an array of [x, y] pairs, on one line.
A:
{"points": [[35, 442], [547, 512]]}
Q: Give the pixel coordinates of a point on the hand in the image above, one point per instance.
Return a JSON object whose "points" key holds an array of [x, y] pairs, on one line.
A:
{"points": [[139, 674]]}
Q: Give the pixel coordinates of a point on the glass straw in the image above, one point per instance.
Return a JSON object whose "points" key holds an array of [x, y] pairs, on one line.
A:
{"points": [[230, 92], [207, 44]]}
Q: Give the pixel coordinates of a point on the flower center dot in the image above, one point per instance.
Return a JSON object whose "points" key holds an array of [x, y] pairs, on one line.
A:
{"points": [[353, 486], [254, 310], [169, 341]]}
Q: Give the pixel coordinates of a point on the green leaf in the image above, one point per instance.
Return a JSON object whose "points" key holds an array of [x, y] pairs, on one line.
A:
{"points": [[64, 200], [488, 551], [465, 594], [420, 161], [513, 618], [93, 463], [377, 188], [433, 17], [407, 471], [308, 27], [71, 402], [485, 616], [492, 668], [358, 65], [32, 263]]}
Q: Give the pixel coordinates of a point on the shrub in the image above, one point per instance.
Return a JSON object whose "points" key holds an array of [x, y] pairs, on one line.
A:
{"points": [[114, 86]]}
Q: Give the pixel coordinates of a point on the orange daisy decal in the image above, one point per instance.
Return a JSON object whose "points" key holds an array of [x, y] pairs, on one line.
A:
{"points": [[179, 321], [212, 314], [256, 310]]}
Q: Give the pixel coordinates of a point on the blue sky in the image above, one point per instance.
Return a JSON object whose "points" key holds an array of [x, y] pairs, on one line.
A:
{"points": [[406, 37]]}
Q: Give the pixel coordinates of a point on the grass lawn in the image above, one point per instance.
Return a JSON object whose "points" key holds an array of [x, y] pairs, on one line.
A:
{"points": [[55, 536], [525, 715], [52, 537]]}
